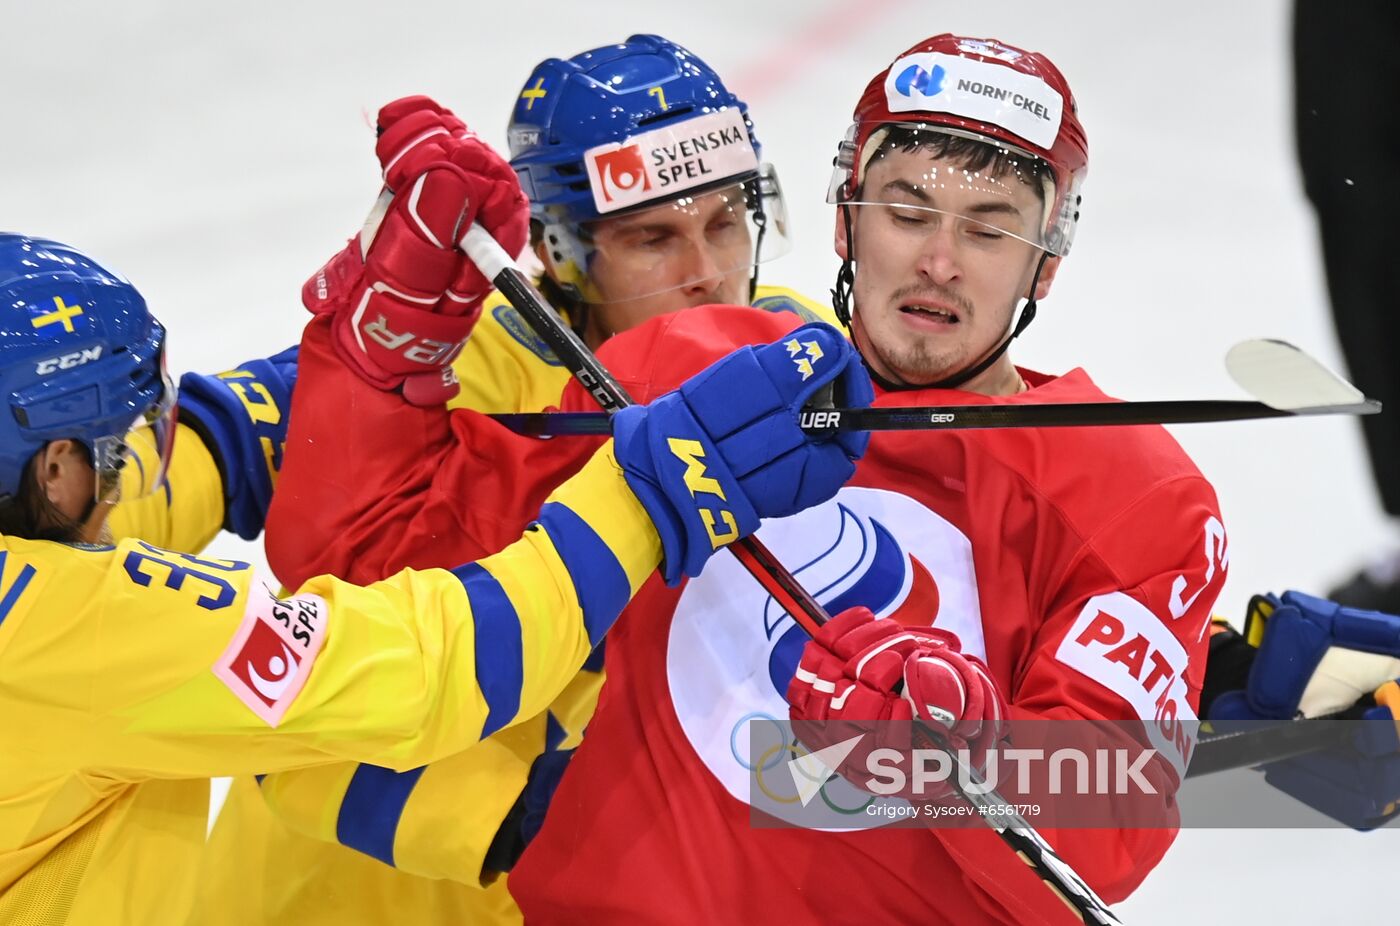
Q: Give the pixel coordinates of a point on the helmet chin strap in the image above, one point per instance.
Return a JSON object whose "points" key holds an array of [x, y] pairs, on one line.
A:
{"points": [[754, 199], [846, 276], [1027, 316], [842, 303]]}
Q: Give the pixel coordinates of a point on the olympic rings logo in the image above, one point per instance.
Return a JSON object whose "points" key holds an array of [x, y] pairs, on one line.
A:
{"points": [[784, 748]]}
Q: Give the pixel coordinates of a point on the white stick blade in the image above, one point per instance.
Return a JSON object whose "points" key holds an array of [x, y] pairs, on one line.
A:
{"points": [[1284, 377]]}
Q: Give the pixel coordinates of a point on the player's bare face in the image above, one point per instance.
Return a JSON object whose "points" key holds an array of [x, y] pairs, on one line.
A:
{"points": [[688, 253], [935, 292]]}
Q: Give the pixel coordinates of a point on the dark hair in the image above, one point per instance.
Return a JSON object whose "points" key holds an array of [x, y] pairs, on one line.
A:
{"points": [[975, 156], [30, 515]]}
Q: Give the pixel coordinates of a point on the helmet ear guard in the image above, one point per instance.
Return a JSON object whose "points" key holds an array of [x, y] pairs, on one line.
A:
{"points": [[1060, 235], [764, 195], [565, 258]]}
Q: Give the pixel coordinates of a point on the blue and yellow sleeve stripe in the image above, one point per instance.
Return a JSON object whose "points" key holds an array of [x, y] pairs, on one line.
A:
{"points": [[590, 551], [599, 546], [436, 821]]}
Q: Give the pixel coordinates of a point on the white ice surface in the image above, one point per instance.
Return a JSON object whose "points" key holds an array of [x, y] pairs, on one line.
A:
{"points": [[218, 153]]}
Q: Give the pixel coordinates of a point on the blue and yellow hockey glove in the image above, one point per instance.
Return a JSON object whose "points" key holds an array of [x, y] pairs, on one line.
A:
{"points": [[1314, 658], [724, 451], [242, 417]]}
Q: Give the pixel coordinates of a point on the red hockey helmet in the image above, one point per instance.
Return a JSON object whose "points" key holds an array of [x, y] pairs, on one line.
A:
{"points": [[981, 89]]}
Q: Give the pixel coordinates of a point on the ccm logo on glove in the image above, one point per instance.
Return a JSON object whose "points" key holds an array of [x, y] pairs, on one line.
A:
{"points": [[691, 453]]}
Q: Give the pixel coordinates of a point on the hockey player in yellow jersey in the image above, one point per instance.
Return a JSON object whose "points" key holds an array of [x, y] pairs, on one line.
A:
{"points": [[132, 673], [648, 195], [606, 270]]}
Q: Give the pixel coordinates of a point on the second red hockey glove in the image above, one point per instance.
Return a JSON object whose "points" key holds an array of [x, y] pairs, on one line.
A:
{"points": [[862, 669], [414, 132], [404, 296]]}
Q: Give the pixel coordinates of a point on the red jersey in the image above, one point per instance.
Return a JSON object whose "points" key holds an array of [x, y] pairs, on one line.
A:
{"points": [[1018, 540]]}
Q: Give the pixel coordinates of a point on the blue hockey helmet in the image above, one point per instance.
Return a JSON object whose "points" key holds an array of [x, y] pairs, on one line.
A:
{"points": [[81, 358], [636, 126]]}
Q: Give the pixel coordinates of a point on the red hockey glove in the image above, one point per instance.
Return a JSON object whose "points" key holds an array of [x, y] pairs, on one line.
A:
{"points": [[858, 668], [404, 296], [414, 132]]}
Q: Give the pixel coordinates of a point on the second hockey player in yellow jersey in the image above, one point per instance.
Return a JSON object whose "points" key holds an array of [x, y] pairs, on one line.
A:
{"points": [[132, 673]]}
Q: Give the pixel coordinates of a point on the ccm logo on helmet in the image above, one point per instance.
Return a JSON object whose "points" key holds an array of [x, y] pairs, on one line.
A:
{"points": [[67, 361], [1119, 643]]}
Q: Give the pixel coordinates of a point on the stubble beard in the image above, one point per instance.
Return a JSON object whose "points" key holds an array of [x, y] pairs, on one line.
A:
{"points": [[916, 361]]}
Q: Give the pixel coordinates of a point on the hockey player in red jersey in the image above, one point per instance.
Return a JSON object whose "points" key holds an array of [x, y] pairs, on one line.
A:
{"points": [[958, 192]]}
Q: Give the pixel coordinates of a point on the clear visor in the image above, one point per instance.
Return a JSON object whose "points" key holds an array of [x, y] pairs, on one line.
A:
{"points": [[704, 246], [133, 465], [938, 180]]}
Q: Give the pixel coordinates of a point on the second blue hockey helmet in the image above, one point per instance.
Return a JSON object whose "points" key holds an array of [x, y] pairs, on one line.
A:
{"points": [[630, 127]]}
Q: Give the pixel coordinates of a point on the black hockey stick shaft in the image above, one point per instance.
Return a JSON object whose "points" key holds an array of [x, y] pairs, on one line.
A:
{"points": [[1024, 840], [755, 557], [1255, 742], [970, 417], [611, 397]]}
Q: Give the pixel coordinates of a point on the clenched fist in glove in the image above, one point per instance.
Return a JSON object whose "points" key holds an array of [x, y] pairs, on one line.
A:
{"points": [[710, 460], [862, 669], [403, 295]]}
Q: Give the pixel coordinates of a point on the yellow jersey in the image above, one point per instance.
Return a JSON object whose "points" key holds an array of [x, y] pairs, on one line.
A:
{"points": [[132, 673], [506, 367], [337, 850]]}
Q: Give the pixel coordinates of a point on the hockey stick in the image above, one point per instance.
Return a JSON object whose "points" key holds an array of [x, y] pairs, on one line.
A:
{"points": [[498, 266], [1285, 382], [1028, 844], [1258, 742]]}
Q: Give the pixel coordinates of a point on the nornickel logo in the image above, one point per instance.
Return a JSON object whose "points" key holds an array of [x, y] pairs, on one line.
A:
{"points": [[915, 79]]}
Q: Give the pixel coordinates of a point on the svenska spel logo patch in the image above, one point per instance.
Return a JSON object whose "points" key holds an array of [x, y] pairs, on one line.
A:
{"points": [[270, 656], [620, 174], [671, 159], [1022, 104]]}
